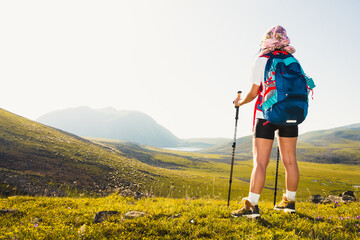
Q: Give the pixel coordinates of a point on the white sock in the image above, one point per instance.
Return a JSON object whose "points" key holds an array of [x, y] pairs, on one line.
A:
{"points": [[290, 196], [254, 198]]}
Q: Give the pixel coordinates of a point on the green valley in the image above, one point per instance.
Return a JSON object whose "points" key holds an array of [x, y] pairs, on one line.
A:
{"points": [[39, 160]]}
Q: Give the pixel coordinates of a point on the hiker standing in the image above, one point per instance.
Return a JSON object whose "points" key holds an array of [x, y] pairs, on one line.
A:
{"points": [[274, 42]]}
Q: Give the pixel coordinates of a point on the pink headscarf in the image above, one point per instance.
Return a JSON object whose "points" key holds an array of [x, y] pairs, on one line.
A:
{"points": [[276, 38]]}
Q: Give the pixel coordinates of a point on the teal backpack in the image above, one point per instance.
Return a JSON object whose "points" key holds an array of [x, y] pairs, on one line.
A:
{"points": [[285, 101]]}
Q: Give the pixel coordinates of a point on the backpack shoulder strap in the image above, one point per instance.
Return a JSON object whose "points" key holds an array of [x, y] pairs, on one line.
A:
{"points": [[258, 104]]}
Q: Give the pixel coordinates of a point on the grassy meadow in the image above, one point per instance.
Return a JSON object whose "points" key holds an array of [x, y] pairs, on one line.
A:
{"points": [[207, 175], [169, 218]]}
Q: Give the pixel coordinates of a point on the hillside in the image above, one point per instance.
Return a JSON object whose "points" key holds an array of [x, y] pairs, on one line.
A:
{"points": [[112, 124], [332, 136], [338, 145], [243, 148], [37, 159], [40, 160]]}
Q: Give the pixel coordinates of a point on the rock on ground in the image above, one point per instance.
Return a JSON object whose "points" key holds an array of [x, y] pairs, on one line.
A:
{"points": [[102, 215], [8, 211], [344, 197], [133, 214]]}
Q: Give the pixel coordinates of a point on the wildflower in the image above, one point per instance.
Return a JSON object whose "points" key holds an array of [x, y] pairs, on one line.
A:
{"points": [[36, 225], [82, 230]]}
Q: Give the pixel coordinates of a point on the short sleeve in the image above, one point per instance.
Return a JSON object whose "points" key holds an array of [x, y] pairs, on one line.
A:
{"points": [[258, 70]]}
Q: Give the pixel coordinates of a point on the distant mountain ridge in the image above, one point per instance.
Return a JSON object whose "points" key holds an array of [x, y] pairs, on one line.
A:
{"points": [[110, 123], [334, 135]]}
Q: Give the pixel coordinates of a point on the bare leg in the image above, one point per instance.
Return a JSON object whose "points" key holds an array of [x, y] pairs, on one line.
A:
{"points": [[262, 150], [288, 156]]}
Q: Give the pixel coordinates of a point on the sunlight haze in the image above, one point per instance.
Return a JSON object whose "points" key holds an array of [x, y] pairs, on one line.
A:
{"points": [[180, 62]]}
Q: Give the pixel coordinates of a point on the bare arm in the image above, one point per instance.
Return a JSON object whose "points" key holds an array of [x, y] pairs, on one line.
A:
{"points": [[249, 97]]}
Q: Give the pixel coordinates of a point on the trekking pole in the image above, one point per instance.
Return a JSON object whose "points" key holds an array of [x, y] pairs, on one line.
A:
{"points": [[276, 175], [233, 149]]}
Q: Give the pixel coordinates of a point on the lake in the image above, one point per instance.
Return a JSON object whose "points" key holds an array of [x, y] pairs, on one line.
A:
{"points": [[185, 149]]}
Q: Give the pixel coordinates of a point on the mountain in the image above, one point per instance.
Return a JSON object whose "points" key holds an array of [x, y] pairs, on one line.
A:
{"points": [[332, 136], [337, 145], [36, 159], [111, 124], [39, 160]]}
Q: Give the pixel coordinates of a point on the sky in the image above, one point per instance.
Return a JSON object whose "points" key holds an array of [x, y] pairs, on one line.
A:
{"points": [[179, 61]]}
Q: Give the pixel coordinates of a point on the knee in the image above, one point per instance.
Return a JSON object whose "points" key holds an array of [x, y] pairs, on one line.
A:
{"points": [[289, 162], [260, 164]]}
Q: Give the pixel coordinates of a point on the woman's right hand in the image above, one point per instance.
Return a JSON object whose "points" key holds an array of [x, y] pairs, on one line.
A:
{"points": [[249, 97], [237, 102]]}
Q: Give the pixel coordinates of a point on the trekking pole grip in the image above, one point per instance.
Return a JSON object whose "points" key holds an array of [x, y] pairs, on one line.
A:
{"points": [[238, 96]]}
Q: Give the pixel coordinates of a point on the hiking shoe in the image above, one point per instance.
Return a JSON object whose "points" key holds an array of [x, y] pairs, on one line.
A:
{"points": [[248, 210], [286, 206]]}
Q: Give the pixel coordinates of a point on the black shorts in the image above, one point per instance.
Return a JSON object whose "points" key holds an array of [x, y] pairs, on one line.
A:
{"points": [[268, 130]]}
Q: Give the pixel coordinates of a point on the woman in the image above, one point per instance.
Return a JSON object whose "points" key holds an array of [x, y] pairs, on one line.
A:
{"points": [[264, 132]]}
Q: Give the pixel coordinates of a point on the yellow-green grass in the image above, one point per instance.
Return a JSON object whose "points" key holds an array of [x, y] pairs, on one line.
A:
{"points": [[168, 218], [315, 178], [203, 175]]}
